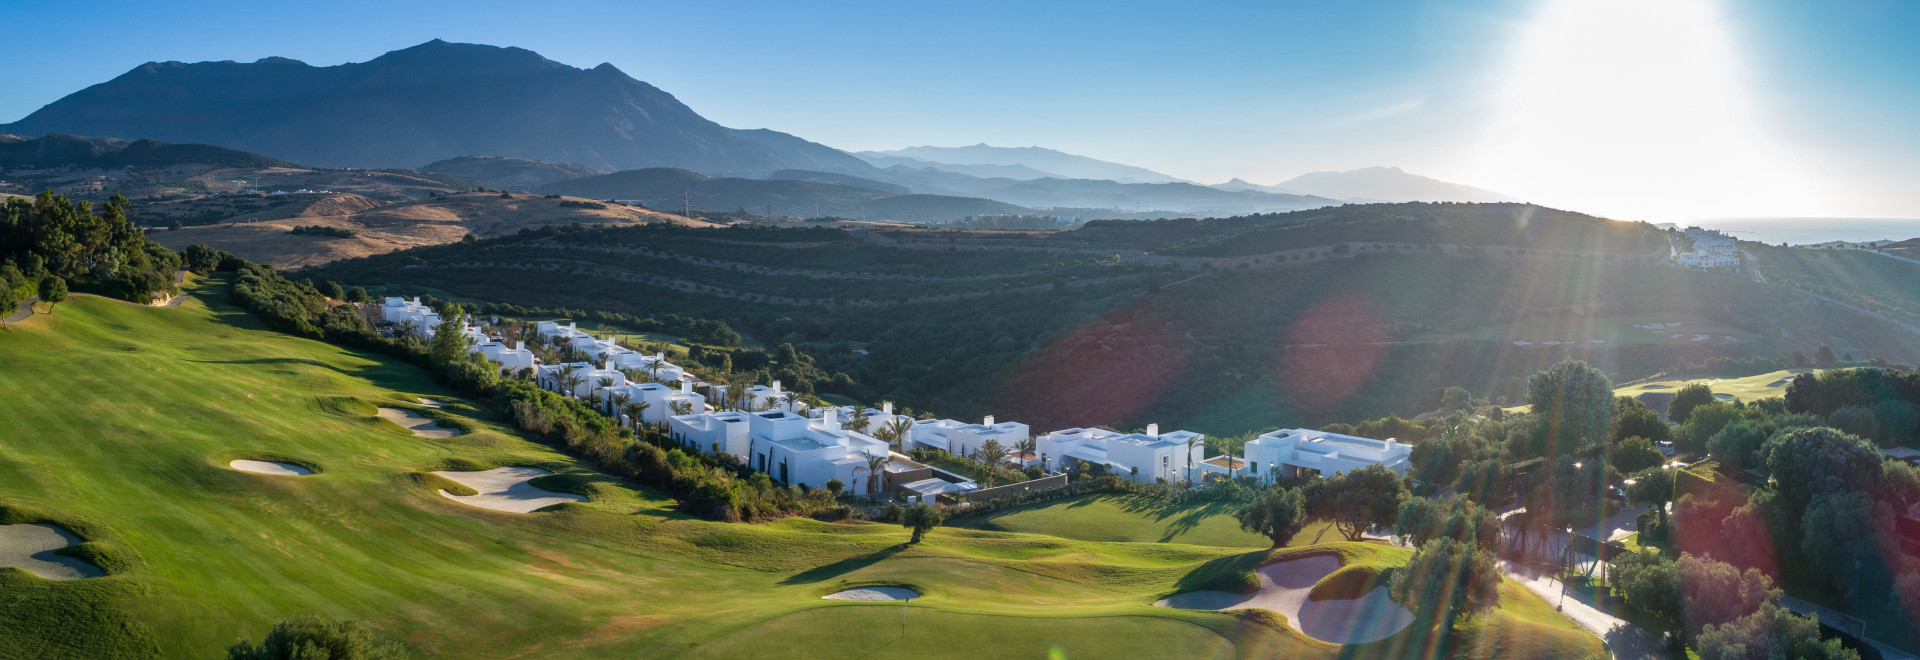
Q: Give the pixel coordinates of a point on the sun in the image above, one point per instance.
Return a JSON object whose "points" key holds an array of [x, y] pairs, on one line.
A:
{"points": [[1635, 109]]}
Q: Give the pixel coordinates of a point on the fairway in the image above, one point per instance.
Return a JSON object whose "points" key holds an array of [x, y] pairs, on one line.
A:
{"points": [[124, 421], [1136, 519]]}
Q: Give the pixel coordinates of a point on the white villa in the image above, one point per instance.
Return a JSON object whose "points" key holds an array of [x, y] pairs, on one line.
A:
{"points": [[623, 358], [963, 439], [1712, 250], [876, 418], [510, 358], [1142, 457], [550, 377], [401, 310], [706, 431], [795, 450], [662, 400], [763, 397], [1304, 452]]}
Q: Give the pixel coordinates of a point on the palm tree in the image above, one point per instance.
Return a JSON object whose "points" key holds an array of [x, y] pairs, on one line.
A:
{"points": [[991, 453], [859, 422], [897, 431], [876, 466], [604, 383], [634, 410], [1194, 443], [570, 381], [682, 407], [619, 402], [1028, 446]]}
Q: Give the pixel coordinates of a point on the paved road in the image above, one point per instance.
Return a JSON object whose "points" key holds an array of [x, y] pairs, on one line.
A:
{"points": [[25, 310], [1627, 641]]}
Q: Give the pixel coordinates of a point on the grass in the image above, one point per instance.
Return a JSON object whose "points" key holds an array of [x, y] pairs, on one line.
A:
{"points": [[1136, 519], [121, 419], [1751, 388]]}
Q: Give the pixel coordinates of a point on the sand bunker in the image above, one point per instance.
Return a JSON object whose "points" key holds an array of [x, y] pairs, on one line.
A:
{"points": [[430, 403], [32, 547], [1283, 589], [1723, 397], [421, 425], [506, 489], [269, 467], [874, 593], [1778, 383]]}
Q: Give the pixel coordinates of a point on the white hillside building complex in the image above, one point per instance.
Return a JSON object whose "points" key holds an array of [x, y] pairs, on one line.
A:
{"points": [[795, 450], [1142, 457], [402, 310], [963, 439], [511, 359], [656, 365], [709, 432], [1294, 453]]}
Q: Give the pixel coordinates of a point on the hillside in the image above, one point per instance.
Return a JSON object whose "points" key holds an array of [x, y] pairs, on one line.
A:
{"points": [[67, 151], [514, 174], [377, 229], [1057, 163], [420, 105], [199, 555], [1235, 325], [1387, 184], [813, 196]]}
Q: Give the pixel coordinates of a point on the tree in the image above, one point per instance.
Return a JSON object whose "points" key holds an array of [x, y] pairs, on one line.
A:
{"points": [[332, 290], [834, 487], [1857, 420], [450, 341], [1446, 578], [53, 291], [1737, 445], [1358, 500], [1195, 442], [315, 638], [1276, 513], [9, 301], [1652, 487], [898, 430], [1573, 405], [1717, 592], [991, 453], [1635, 454], [921, 518], [1650, 582], [634, 410], [1693, 395], [876, 472], [1825, 355], [1424, 519], [1634, 419], [1703, 422], [1770, 632], [358, 295], [860, 421]]}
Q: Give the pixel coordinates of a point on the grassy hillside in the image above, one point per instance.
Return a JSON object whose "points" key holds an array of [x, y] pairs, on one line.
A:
{"points": [[122, 419], [1137, 519], [669, 188], [1080, 338]]}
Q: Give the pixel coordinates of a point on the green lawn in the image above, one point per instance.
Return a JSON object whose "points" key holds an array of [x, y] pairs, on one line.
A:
{"points": [[120, 421], [1136, 519]]}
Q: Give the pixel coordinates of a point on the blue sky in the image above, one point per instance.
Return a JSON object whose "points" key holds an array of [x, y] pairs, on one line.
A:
{"points": [[1661, 110]]}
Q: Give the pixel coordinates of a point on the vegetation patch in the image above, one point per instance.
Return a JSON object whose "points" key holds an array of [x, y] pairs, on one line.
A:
{"points": [[346, 406], [1351, 582]]}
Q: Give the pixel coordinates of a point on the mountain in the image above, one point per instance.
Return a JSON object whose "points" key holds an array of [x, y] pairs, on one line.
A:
{"points": [[1046, 160], [418, 105], [1378, 184], [54, 151], [838, 180], [1180, 197], [1017, 172], [518, 174], [1242, 185], [671, 189]]}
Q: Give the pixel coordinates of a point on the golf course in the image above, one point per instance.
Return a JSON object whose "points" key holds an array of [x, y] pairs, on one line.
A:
{"points": [[123, 425]]}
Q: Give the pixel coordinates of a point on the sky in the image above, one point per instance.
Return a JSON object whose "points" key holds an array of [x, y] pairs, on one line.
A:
{"points": [[1663, 110]]}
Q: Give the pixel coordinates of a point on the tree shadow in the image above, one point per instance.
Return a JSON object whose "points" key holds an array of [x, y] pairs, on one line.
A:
{"points": [[842, 567], [1229, 573]]}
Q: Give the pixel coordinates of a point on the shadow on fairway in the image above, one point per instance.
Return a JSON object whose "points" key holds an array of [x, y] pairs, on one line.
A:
{"points": [[842, 567]]}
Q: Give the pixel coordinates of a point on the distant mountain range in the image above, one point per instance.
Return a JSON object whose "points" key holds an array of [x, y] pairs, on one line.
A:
{"points": [[1047, 162], [423, 104], [1373, 184], [797, 193], [54, 151]]}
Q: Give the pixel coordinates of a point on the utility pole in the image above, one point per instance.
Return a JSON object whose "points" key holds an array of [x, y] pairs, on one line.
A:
{"points": [[686, 201]]}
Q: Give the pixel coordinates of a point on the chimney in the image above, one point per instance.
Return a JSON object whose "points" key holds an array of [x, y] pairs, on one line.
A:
{"points": [[609, 366], [686, 387], [988, 421], [886, 407], [830, 419], [1153, 430], [776, 386], [659, 357], [519, 345]]}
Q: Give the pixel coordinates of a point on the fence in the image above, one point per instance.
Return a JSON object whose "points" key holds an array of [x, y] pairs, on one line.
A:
{"points": [[1049, 481]]}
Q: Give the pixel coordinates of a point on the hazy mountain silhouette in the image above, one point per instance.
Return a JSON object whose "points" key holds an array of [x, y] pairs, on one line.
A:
{"points": [[109, 153], [1374, 184], [423, 104], [1060, 164]]}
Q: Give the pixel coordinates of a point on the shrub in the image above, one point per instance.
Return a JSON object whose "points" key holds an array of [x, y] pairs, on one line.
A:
{"points": [[315, 638]]}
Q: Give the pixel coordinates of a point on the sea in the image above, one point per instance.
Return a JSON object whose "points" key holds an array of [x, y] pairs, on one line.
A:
{"points": [[1807, 231]]}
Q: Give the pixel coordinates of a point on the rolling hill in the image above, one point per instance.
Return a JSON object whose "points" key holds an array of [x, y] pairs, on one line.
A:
{"points": [[1373, 184], [267, 236], [419, 105], [58, 151], [515, 174], [817, 195]]}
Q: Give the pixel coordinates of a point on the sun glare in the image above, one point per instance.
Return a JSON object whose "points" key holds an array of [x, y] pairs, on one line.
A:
{"points": [[1634, 109]]}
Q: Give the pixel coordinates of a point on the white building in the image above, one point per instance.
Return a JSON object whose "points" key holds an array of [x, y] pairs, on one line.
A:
{"points": [[510, 358], [1142, 457], [765, 397], [1712, 250], [877, 418], [553, 377], [401, 310], [664, 401], [705, 431], [963, 439], [623, 358], [795, 450], [1295, 453]]}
